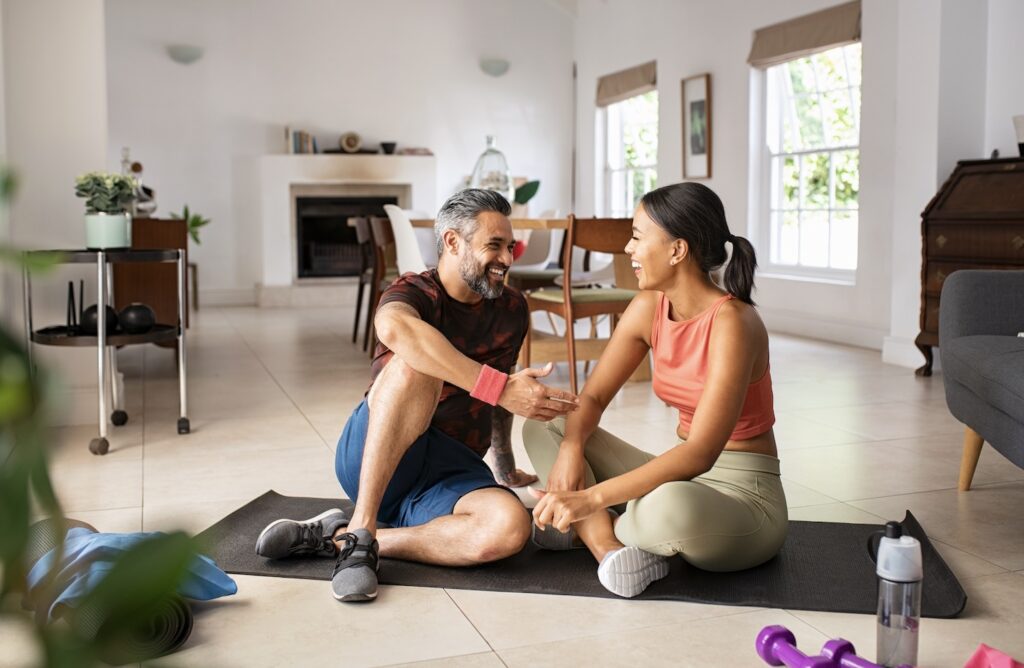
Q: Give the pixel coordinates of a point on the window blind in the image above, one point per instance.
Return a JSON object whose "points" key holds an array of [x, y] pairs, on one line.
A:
{"points": [[806, 35], [625, 84]]}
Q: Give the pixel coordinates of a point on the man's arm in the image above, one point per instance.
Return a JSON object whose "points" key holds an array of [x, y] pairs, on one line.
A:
{"points": [[425, 349], [504, 462]]}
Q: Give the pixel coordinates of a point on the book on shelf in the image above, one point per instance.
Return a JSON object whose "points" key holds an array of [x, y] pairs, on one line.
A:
{"points": [[299, 141]]}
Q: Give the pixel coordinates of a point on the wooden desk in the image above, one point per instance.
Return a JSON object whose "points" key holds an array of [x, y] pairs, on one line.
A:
{"points": [[551, 348]]}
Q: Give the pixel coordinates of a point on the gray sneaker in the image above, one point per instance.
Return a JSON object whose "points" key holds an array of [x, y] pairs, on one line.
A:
{"points": [[355, 574], [550, 538], [629, 570], [301, 538]]}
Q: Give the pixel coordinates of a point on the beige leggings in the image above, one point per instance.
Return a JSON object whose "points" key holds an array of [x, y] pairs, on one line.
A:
{"points": [[731, 518]]}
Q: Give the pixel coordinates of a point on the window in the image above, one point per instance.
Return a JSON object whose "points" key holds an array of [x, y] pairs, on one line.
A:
{"points": [[631, 148], [812, 163]]}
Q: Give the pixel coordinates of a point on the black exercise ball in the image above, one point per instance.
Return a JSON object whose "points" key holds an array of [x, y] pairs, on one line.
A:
{"points": [[88, 324], [136, 318]]}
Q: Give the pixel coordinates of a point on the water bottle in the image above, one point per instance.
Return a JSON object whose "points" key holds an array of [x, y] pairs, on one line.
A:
{"points": [[899, 571]]}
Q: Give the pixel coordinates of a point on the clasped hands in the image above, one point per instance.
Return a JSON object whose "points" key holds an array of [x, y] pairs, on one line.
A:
{"points": [[566, 500]]}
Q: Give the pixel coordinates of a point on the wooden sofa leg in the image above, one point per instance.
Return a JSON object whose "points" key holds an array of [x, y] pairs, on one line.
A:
{"points": [[972, 450]]}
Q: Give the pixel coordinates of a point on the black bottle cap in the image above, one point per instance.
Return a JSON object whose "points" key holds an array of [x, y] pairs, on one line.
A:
{"points": [[893, 529]]}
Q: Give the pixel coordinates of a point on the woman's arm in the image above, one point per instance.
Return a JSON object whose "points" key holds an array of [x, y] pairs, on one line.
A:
{"points": [[629, 344], [736, 340]]}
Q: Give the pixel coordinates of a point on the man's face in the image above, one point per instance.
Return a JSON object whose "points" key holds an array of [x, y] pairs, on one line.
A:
{"points": [[484, 258]]}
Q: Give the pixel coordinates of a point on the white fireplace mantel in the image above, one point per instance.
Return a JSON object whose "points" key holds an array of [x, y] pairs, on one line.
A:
{"points": [[411, 177]]}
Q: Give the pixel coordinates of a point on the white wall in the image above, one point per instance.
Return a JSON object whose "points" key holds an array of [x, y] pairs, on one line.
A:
{"points": [[400, 70], [1004, 93], [55, 111]]}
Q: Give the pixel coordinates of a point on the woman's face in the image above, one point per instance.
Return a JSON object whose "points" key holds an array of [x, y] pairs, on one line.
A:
{"points": [[652, 252]]}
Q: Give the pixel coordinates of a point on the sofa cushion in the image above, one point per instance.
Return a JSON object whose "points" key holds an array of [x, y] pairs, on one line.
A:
{"points": [[990, 366]]}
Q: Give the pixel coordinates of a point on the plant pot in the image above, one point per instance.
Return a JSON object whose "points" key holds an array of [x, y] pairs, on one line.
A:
{"points": [[108, 230]]}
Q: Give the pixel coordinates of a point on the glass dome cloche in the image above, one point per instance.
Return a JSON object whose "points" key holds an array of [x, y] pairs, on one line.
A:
{"points": [[491, 172]]}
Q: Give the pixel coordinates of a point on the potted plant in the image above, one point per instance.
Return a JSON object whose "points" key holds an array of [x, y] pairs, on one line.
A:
{"points": [[193, 221], [107, 197]]}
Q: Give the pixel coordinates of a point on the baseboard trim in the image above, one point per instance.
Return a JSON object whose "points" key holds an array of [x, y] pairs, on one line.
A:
{"points": [[228, 297], [340, 292], [836, 331], [902, 352]]}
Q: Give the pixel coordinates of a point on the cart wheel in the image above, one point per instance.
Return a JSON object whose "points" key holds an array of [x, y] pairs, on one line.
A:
{"points": [[183, 426], [119, 418], [99, 446]]}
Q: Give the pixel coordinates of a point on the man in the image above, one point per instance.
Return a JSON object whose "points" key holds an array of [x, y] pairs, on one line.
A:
{"points": [[411, 455]]}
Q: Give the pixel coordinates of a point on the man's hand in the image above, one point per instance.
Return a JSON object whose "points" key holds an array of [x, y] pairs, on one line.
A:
{"points": [[524, 396], [561, 509], [517, 478]]}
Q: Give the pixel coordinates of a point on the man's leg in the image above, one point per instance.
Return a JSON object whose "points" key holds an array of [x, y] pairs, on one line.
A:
{"points": [[401, 403], [486, 525]]}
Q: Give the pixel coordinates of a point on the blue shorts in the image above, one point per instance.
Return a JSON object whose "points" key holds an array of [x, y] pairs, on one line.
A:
{"points": [[430, 479]]}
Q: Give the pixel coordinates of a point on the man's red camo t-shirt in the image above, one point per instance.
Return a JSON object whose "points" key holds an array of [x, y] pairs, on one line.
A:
{"points": [[489, 332]]}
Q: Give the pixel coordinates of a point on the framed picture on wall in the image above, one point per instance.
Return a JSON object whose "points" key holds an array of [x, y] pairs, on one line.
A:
{"points": [[697, 127]]}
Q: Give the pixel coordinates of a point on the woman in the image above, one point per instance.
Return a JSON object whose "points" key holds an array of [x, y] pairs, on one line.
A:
{"points": [[715, 498]]}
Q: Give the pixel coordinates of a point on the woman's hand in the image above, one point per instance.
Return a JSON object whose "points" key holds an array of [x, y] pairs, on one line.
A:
{"points": [[569, 472], [561, 509]]}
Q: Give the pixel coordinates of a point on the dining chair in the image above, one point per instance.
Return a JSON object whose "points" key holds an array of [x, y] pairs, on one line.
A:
{"points": [[407, 248], [424, 237], [597, 235], [367, 256], [384, 271], [532, 270]]}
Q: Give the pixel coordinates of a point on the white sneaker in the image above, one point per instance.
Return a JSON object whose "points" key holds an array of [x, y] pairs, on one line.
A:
{"points": [[628, 571]]}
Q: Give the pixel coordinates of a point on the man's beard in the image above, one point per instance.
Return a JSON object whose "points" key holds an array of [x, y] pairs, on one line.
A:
{"points": [[477, 277]]}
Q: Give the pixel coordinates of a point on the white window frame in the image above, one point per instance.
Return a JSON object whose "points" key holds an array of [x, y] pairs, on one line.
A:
{"points": [[760, 193], [608, 119]]}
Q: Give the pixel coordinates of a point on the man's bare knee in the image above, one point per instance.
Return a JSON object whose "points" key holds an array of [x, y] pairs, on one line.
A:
{"points": [[503, 532], [398, 378]]}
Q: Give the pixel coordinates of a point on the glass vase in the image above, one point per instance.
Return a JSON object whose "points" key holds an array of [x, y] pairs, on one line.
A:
{"points": [[491, 172]]}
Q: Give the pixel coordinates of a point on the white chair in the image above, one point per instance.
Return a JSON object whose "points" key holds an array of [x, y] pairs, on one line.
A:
{"points": [[424, 237], [407, 247], [531, 271]]}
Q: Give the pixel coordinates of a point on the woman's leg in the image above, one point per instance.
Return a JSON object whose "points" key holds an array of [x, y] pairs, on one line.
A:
{"points": [[606, 457], [726, 520]]}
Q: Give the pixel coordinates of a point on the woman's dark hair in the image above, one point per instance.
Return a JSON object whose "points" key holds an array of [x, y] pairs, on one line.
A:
{"points": [[694, 213]]}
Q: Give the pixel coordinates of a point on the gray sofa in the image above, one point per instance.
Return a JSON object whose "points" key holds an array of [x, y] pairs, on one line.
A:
{"points": [[981, 313]]}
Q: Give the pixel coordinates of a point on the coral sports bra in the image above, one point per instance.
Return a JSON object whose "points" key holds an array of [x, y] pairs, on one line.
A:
{"points": [[680, 351]]}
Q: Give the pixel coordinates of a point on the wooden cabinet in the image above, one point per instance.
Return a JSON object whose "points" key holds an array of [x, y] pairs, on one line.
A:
{"points": [[975, 221], [153, 284]]}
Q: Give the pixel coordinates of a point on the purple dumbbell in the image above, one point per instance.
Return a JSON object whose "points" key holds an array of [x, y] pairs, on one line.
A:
{"points": [[844, 654], [776, 645]]}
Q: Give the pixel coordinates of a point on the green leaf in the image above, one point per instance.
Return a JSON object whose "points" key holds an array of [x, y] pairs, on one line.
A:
{"points": [[8, 184], [35, 261], [525, 192]]}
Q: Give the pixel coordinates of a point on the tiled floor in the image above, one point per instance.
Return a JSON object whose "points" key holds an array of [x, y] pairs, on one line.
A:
{"points": [[270, 390]]}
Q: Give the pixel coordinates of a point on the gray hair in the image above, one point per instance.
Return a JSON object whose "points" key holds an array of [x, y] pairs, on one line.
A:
{"points": [[461, 210]]}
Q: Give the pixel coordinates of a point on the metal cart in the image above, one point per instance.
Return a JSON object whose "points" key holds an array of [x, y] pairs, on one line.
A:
{"points": [[105, 360]]}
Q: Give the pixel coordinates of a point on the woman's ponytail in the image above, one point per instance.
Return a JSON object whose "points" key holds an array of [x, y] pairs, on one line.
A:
{"points": [[693, 212], [739, 273]]}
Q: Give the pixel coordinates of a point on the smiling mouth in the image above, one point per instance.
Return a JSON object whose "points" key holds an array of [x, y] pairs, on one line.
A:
{"points": [[497, 272]]}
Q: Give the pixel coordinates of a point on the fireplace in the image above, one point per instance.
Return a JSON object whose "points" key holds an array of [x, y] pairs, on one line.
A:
{"points": [[325, 244]]}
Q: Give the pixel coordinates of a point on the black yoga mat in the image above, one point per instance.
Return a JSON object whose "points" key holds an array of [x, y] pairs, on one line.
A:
{"points": [[823, 566]]}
